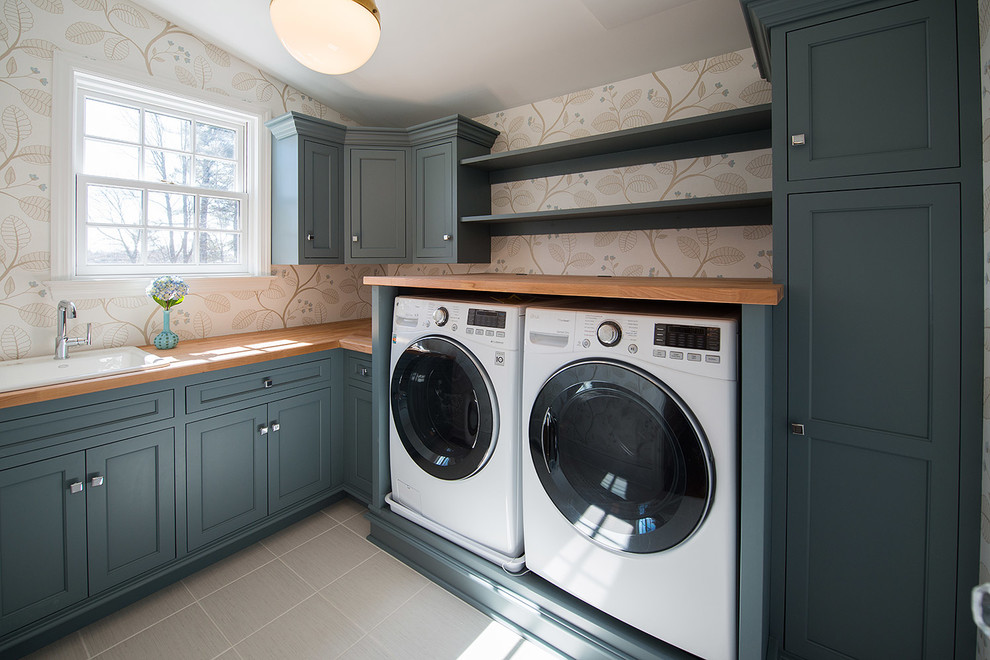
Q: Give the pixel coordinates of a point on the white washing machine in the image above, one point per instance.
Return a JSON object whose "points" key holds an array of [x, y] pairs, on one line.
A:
{"points": [[630, 486], [454, 446]]}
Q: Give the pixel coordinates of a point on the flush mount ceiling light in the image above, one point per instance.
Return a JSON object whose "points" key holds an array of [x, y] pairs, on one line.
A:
{"points": [[329, 36]]}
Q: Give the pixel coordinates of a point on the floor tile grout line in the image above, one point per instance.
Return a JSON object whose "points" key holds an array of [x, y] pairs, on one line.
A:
{"points": [[181, 609], [83, 642], [215, 625], [205, 596], [309, 584], [262, 541], [398, 607]]}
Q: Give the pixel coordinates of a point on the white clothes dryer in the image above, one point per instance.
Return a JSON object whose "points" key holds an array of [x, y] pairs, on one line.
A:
{"points": [[454, 446], [630, 487]]}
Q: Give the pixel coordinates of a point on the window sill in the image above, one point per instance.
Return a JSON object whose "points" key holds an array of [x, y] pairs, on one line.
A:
{"points": [[136, 286]]}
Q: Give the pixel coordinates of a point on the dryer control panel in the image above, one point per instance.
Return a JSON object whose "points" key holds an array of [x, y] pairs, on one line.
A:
{"points": [[470, 322]]}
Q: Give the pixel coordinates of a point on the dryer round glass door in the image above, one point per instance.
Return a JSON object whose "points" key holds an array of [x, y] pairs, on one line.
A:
{"points": [[444, 408], [621, 456]]}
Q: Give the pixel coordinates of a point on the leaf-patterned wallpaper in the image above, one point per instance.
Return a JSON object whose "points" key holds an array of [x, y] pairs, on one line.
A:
{"points": [[711, 85], [141, 41], [983, 643]]}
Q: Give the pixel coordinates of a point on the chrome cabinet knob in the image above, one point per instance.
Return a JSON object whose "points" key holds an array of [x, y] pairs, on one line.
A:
{"points": [[267, 383], [354, 238], [364, 371], [310, 237], [276, 426], [797, 429], [75, 487], [96, 481], [263, 430], [448, 237], [797, 140]]}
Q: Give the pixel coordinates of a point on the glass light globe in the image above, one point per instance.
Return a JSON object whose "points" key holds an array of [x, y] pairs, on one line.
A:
{"points": [[329, 36]]}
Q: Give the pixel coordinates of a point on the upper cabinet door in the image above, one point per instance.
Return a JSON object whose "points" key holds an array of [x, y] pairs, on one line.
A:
{"points": [[435, 217], [377, 206], [873, 93], [323, 228]]}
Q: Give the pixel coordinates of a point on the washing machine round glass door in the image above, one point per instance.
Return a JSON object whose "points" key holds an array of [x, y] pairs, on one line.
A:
{"points": [[621, 456], [444, 408]]}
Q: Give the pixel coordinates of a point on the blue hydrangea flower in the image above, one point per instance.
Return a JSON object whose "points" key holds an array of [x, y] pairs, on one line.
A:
{"points": [[167, 290]]}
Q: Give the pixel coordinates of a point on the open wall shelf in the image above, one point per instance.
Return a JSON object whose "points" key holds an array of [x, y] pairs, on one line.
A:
{"points": [[732, 131], [684, 213]]}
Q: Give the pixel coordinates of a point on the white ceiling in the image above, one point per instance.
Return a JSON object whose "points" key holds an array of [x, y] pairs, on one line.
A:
{"points": [[440, 57]]}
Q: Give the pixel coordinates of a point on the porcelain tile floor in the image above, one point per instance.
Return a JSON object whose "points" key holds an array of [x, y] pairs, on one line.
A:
{"points": [[317, 589]]}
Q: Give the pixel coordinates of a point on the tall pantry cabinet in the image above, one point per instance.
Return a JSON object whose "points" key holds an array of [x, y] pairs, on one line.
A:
{"points": [[877, 365]]}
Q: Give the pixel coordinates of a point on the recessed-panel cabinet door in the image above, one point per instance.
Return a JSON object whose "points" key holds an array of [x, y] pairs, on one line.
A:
{"points": [[42, 539], [299, 450], [226, 479], [323, 229], [131, 507], [377, 206], [873, 93], [435, 216], [873, 378], [357, 439]]}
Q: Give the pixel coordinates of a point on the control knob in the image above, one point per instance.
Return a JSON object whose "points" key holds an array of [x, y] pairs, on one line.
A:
{"points": [[440, 316], [609, 333]]}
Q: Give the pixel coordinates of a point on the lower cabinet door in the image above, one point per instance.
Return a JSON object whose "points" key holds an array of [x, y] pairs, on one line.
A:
{"points": [[873, 378], [42, 539], [357, 441], [226, 481], [130, 505], [298, 448]]}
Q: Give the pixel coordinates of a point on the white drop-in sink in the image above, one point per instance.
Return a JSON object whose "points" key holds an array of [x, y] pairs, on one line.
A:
{"points": [[46, 370]]}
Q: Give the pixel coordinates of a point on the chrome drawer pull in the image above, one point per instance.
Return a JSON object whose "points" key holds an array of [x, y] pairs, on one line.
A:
{"points": [[267, 383], [364, 371], [75, 487], [96, 481]]}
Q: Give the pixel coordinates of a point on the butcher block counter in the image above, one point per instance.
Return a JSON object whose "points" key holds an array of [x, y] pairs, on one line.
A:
{"points": [[680, 289], [196, 356]]}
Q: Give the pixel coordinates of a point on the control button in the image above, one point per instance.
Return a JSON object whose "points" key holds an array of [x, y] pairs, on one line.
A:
{"points": [[694, 357], [713, 359], [469, 331], [633, 349], [676, 355], [659, 352], [440, 316], [500, 358], [454, 327], [489, 333], [500, 334], [609, 333], [586, 343]]}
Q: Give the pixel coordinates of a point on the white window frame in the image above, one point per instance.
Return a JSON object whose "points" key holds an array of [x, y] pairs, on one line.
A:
{"points": [[75, 76]]}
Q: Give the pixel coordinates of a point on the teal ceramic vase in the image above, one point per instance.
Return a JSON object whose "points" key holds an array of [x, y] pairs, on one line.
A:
{"points": [[166, 338]]}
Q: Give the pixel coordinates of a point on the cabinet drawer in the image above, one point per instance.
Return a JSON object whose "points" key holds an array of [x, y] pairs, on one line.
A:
{"points": [[214, 393], [358, 368], [67, 424]]}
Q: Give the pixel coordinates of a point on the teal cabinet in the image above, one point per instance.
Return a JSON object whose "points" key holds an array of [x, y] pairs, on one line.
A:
{"points": [[435, 215], [307, 190], [244, 465], [874, 92], [873, 377], [42, 539], [377, 205], [226, 474], [357, 436], [299, 457], [130, 507]]}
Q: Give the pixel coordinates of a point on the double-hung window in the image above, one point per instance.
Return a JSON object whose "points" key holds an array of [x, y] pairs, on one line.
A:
{"points": [[160, 184]]}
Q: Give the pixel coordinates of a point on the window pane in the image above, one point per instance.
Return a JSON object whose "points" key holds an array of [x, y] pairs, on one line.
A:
{"points": [[171, 209], [111, 120], [168, 132], [217, 248], [166, 166], [108, 159], [216, 174], [218, 213], [215, 141], [171, 247], [114, 206], [110, 245]]}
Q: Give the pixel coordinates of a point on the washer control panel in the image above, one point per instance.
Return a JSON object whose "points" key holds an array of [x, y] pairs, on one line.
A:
{"points": [[495, 325]]}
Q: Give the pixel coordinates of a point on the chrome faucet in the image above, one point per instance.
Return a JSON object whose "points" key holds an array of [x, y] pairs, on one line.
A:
{"points": [[66, 311]]}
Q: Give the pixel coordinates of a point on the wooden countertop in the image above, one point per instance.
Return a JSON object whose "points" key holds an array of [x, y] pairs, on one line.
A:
{"points": [[201, 355], [682, 289]]}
